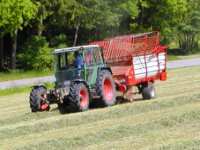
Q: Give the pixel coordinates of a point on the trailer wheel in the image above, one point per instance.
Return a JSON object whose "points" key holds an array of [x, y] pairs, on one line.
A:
{"points": [[79, 96], [105, 88], [37, 100], [148, 91]]}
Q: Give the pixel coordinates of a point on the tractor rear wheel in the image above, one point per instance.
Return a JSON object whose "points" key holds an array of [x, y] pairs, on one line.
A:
{"points": [[105, 88], [38, 98], [79, 96], [148, 91]]}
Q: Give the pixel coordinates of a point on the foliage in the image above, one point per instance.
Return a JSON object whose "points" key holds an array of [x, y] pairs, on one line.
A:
{"points": [[15, 14], [36, 54], [59, 41], [160, 15], [189, 29], [91, 15]]}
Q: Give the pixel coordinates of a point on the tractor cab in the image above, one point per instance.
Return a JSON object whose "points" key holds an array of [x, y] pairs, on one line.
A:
{"points": [[77, 63]]}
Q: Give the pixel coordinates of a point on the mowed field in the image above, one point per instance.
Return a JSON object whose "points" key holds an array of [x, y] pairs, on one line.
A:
{"points": [[171, 121]]}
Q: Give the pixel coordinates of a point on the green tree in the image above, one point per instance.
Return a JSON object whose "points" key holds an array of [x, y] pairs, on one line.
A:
{"points": [[189, 28], [1, 51], [160, 15], [14, 15], [36, 54], [87, 15], [46, 8], [129, 11]]}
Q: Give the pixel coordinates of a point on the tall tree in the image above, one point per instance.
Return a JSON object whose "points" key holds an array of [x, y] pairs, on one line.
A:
{"points": [[14, 15], [87, 15], [129, 10], [189, 28], [46, 8], [1, 52], [161, 15]]}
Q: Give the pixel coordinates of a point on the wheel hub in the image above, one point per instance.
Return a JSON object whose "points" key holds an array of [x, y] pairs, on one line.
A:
{"points": [[84, 98], [108, 89]]}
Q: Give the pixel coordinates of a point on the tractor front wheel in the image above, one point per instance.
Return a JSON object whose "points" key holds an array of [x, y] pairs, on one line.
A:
{"points": [[105, 88], [38, 98], [79, 96]]}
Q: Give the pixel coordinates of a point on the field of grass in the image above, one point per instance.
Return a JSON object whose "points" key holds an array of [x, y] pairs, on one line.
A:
{"points": [[171, 121], [16, 75]]}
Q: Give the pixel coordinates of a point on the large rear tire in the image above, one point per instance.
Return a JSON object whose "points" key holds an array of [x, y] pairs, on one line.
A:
{"points": [[79, 97], [105, 88], [37, 101], [148, 91]]}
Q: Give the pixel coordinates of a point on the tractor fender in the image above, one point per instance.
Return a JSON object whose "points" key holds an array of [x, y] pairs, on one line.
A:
{"points": [[80, 81], [105, 68], [37, 86]]}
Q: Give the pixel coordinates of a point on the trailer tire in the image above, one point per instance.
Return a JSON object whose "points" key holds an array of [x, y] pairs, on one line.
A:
{"points": [[36, 101], [148, 91], [105, 88], [79, 97]]}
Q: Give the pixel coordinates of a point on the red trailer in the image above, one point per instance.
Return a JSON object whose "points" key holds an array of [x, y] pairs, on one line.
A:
{"points": [[136, 60]]}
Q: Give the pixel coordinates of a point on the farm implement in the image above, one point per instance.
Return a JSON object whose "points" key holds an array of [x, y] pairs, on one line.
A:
{"points": [[96, 72]]}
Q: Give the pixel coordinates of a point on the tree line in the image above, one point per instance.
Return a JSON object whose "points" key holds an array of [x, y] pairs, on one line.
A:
{"points": [[30, 29]]}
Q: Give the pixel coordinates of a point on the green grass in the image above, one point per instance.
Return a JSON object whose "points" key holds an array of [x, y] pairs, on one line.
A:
{"points": [[14, 90], [172, 57], [15, 75], [180, 57], [171, 121], [24, 89]]}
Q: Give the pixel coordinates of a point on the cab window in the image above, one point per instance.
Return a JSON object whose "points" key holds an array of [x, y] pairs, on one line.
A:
{"points": [[97, 55], [88, 55], [65, 61], [61, 61]]}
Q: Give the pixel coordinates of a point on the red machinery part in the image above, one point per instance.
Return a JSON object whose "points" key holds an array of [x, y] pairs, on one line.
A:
{"points": [[44, 107], [135, 58], [84, 98], [108, 89]]}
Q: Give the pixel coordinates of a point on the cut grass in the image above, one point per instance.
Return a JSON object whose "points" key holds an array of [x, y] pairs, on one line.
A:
{"points": [[16, 75], [171, 121]]}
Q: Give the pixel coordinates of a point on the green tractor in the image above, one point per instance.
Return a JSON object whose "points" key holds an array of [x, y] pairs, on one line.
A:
{"points": [[81, 77]]}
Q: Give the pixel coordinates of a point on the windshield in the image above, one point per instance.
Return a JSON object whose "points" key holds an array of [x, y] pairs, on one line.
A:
{"points": [[76, 59], [66, 60]]}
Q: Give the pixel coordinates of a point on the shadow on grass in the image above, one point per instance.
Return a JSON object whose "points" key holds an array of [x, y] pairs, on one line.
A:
{"points": [[95, 104]]}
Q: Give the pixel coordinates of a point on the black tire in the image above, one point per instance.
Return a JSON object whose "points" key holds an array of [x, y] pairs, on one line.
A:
{"points": [[36, 98], [64, 107], [108, 97], [79, 97], [148, 91]]}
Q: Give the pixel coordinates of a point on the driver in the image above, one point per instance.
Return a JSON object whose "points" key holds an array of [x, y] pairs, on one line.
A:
{"points": [[78, 63]]}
